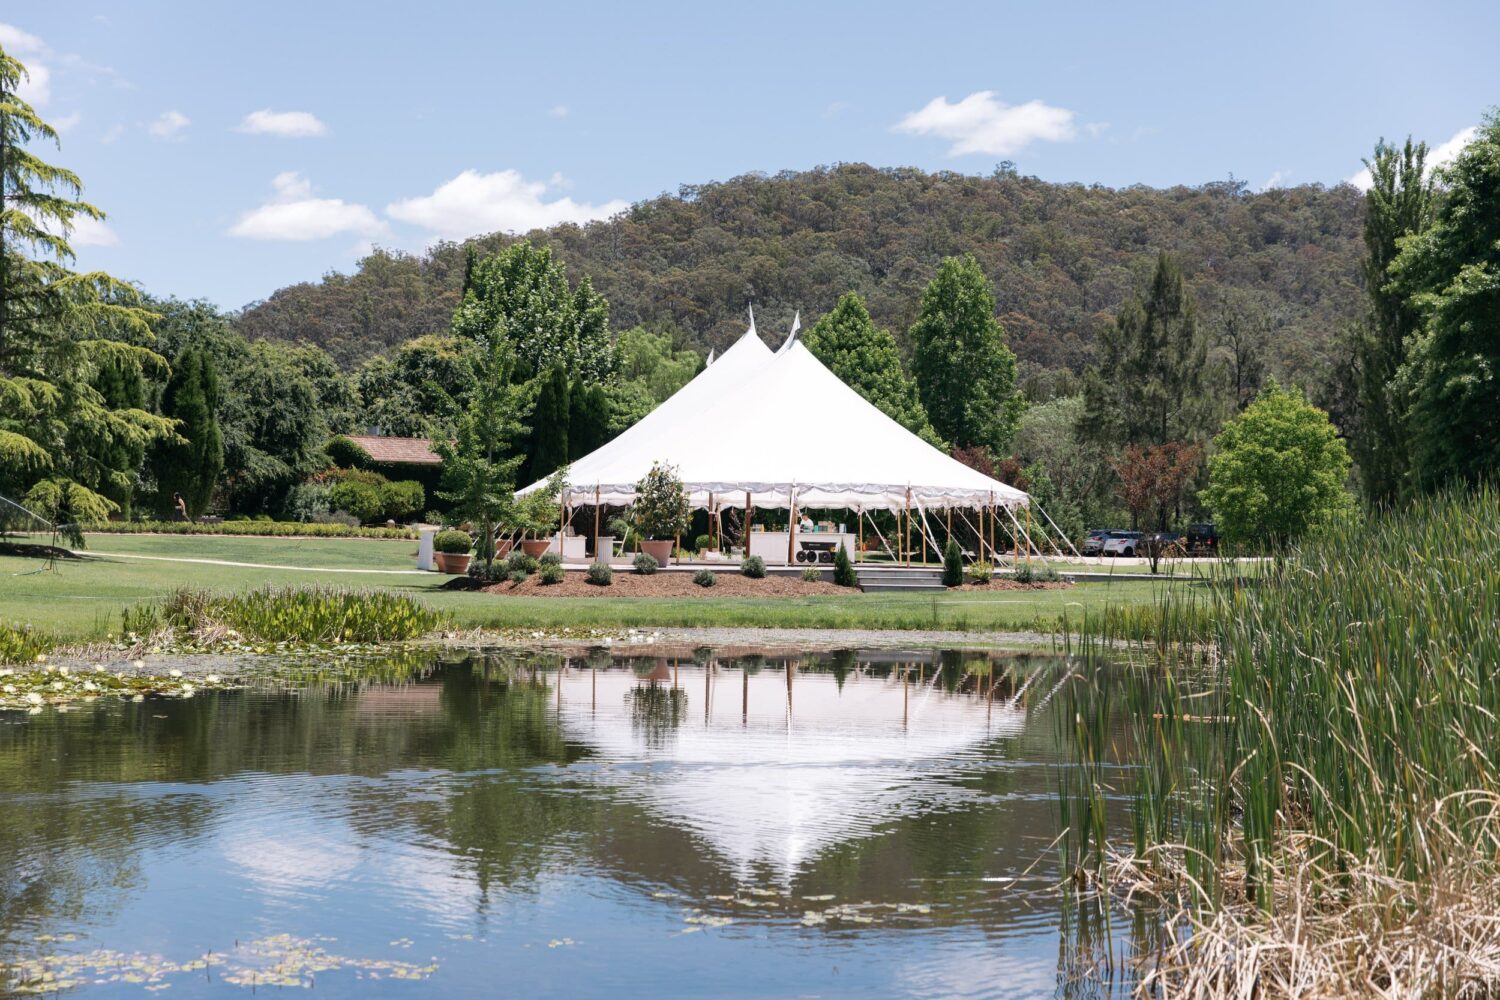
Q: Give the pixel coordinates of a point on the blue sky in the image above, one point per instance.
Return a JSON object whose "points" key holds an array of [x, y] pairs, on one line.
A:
{"points": [[239, 148]]}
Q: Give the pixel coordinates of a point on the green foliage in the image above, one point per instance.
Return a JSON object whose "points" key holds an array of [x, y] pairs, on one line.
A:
{"points": [[302, 615], [651, 362], [1067, 474], [549, 559], [1036, 571], [704, 543], [69, 506], [424, 382], [600, 574], [552, 573], [538, 512], [402, 499], [22, 643], [981, 572], [843, 569], [705, 578], [753, 567], [646, 564], [1277, 472], [453, 542], [360, 500], [521, 294], [965, 372], [1451, 275], [517, 576], [1150, 385], [519, 562], [246, 526], [549, 424], [953, 564], [811, 574], [867, 359], [589, 416], [661, 503], [346, 454], [1398, 204]]}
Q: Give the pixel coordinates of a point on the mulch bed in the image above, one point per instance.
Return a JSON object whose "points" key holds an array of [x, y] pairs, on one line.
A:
{"points": [[627, 584], [997, 585]]}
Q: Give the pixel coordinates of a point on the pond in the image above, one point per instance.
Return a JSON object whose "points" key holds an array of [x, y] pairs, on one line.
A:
{"points": [[484, 823]]}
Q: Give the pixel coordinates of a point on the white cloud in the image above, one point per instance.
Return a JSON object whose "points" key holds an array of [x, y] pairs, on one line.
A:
{"points": [[1439, 156], [294, 214], [112, 133], [18, 42], [169, 125], [287, 124], [558, 111], [1277, 179], [89, 232], [65, 123], [36, 86], [474, 203], [981, 124]]}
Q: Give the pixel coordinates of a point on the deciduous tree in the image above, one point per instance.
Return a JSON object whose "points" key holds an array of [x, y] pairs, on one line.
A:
{"points": [[866, 358]]}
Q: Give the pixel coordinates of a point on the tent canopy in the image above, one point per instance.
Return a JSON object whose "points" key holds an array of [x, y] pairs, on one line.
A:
{"points": [[775, 426]]}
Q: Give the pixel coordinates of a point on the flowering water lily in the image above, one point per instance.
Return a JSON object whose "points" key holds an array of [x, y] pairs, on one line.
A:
{"points": [[138, 664], [174, 673], [34, 698], [41, 657]]}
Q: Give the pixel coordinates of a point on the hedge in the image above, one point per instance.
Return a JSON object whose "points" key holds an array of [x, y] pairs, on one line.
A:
{"points": [[277, 529]]}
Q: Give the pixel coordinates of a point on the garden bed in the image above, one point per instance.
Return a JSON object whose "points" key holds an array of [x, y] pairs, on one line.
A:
{"points": [[628, 584]]}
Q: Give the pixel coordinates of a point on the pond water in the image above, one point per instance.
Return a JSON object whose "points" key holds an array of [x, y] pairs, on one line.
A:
{"points": [[499, 823]]}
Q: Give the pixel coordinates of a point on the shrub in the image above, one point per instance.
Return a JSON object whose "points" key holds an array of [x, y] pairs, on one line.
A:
{"points": [[549, 559], [661, 503], [981, 572], [240, 524], [811, 574], [645, 564], [953, 564], [704, 543], [518, 576], [1036, 572], [753, 567], [343, 452], [362, 500], [453, 542], [519, 562], [552, 573], [600, 575], [307, 502], [843, 569], [705, 578], [401, 500]]}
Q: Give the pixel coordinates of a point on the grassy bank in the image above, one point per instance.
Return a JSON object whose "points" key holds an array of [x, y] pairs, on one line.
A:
{"points": [[1317, 780], [82, 599]]}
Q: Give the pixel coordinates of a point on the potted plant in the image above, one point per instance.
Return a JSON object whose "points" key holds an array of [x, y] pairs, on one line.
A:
{"points": [[660, 511], [451, 549]]}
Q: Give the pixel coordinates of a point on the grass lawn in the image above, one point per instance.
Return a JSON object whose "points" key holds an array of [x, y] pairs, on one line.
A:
{"points": [[82, 599]]}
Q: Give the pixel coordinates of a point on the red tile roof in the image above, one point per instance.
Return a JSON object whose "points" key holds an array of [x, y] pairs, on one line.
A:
{"points": [[398, 451]]}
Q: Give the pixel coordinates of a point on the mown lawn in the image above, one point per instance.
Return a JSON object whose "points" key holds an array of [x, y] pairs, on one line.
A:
{"points": [[83, 599]]}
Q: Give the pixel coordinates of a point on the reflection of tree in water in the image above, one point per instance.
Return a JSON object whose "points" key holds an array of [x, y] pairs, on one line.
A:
{"points": [[656, 712]]}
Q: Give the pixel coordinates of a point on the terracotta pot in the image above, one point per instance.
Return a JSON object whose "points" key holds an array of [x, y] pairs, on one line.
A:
{"points": [[658, 549], [535, 547], [503, 547], [456, 563]]}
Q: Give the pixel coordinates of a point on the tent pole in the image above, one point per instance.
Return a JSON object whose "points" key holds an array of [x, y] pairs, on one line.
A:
{"points": [[712, 534], [994, 555], [597, 555], [791, 525], [1071, 547], [859, 517], [746, 532]]}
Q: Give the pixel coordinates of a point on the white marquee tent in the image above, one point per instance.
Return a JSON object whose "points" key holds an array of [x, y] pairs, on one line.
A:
{"points": [[777, 427]]}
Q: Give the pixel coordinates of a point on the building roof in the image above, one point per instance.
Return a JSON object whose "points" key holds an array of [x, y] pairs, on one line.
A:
{"points": [[397, 450]]}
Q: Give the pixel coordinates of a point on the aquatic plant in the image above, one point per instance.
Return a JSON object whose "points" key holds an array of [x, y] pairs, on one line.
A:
{"points": [[307, 615], [22, 643]]}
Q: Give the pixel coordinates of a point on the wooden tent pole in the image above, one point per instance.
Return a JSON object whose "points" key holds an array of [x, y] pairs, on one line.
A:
{"points": [[907, 538], [994, 555], [859, 517], [746, 532], [597, 554], [791, 525]]}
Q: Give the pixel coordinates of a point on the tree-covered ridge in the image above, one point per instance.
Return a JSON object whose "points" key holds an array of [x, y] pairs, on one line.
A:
{"points": [[1062, 259]]}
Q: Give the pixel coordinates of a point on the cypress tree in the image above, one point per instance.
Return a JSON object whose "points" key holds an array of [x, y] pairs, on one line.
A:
{"points": [[953, 564], [191, 467], [588, 419], [549, 424], [866, 359], [965, 372]]}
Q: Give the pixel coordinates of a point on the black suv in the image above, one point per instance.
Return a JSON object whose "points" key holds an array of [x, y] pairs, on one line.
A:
{"points": [[1201, 539]]}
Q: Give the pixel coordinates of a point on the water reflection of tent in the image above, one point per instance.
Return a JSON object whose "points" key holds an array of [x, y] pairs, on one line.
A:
{"points": [[770, 770]]}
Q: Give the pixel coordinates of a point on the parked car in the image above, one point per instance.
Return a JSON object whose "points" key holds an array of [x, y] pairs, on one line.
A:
{"points": [[1167, 543], [1121, 543], [1094, 541], [1201, 539]]}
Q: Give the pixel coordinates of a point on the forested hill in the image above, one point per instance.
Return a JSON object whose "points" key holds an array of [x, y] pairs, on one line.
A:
{"points": [[1062, 258]]}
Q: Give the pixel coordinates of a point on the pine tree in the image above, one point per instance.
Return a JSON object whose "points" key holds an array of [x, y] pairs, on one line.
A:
{"points": [[191, 465], [1149, 386], [953, 564], [64, 446], [1399, 203], [549, 424], [866, 358], [965, 372]]}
